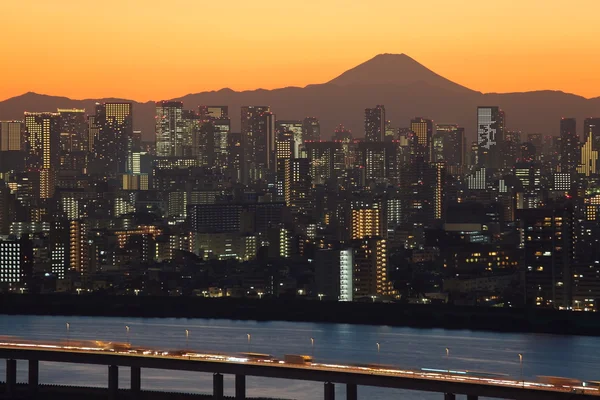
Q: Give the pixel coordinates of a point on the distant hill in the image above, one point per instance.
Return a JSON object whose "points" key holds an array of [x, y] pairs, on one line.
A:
{"points": [[405, 87]]}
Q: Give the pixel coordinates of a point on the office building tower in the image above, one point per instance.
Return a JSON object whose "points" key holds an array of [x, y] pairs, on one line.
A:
{"points": [[592, 126], [375, 124], [548, 235], [43, 136], [113, 144], [296, 128], [11, 136], [423, 129], [16, 262], [334, 274], [258, 136], [284, 151], [341, 134], [327, 161], [235, 157], [589, 157], [377, 161], [490, 136], [569, 145], [73, 130], [218, 116], [170, 129], [311, 129], [453, 144], [297, 185], [370, 274]]}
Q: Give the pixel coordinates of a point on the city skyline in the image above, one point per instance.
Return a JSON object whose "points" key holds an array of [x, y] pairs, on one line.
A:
{"points": [[535, 53]]}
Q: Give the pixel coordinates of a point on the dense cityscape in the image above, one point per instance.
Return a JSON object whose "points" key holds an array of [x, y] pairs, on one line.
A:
{"points": [[406, 211]]}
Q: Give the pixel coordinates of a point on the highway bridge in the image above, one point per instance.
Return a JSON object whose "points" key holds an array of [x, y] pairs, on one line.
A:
{"points": [[448, 383]]}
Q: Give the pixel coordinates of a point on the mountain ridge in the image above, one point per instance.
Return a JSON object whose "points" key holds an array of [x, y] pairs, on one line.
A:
{"points": [[404, 86]]}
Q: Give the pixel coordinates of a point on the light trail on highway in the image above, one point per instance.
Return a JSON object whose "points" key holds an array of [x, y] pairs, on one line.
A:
{"points": [[451, 375]]}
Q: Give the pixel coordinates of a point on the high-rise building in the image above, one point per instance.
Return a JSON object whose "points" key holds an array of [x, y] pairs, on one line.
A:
{"points": [[377, 161], [74, 128], [235, 157], [326, 160], [297, 185], [490, 135], [218, 116], [114, 122], [370, 274], [296, 128], [592, 126], [258, 139], [334, 274], [569, 145], [453, 144], [548, 235], [284, 151], [257, 124], [375, 124], [43, 134], [589, 157], [311, 129], [367, 220], [170, 129], [11, 136], [423, 129], [16, 262]]}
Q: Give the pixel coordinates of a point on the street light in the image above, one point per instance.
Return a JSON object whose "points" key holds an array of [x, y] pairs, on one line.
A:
{"points": [[187, 337], [68, 330], [312, 346], [378, 354], [448, 359], [320, 296], [127, 330], [521, 362], [249, 338]]}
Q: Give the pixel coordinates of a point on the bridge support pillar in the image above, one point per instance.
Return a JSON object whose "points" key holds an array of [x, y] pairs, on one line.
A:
{"points": [[113, 382], [449, 396], [240, 387], [136, 379], [11, 376], [34, 376], [329, 391], [218, 387], [351, 392], [472, 397]]}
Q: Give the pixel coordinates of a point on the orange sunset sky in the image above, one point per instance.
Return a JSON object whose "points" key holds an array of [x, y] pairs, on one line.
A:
{"points": [[150, 50]]}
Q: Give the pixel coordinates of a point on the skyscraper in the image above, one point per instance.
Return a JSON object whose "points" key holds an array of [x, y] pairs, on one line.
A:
{"points": [[296, 128], [592, 126], [569, 145], [43, 134], [297, 185], [114, 122], [73, 126], [326, 160], [170, 129], [423, 129], [11, 135], [589, 157], [311, 129], [490, 135], [453, 144], [375, 124], [258, 140]]}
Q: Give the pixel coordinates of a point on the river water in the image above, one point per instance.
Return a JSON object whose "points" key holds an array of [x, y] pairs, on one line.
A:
{"points": [[543, 354]]}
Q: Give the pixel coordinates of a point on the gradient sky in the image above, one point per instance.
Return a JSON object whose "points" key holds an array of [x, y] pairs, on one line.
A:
{"points": [[150, 50]]}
